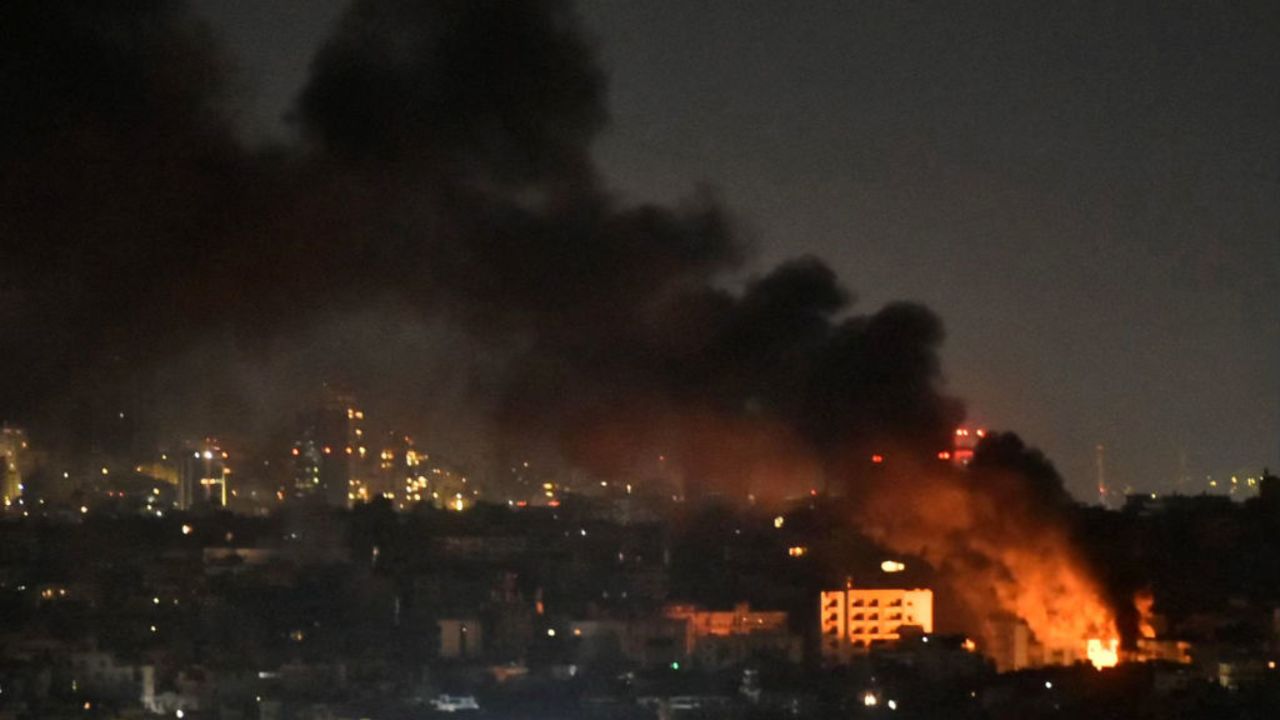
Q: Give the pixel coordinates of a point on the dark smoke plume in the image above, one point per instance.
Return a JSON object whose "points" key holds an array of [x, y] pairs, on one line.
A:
{"points": [[119, 173], [444, 175], [486, 90]]}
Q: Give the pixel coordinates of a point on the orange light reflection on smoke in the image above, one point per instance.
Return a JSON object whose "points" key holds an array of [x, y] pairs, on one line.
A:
{"points": [[1004, 552]]}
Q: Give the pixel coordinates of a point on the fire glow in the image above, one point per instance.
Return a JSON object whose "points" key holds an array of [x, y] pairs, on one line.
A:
{"points": [[1103, 655], [1143, 602], [1005, 553]]}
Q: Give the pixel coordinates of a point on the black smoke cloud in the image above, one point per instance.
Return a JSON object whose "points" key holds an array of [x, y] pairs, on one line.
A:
{"points": [[490, 90], [442, 177], [117, 167]]}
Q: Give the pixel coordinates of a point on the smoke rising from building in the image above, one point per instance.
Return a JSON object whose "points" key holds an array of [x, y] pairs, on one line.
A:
{"points": [[1000, 536], [441, 203]]}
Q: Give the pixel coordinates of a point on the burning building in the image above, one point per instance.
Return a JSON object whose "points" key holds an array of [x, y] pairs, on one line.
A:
{"points": [[1012, 645], [1153, 642], [998, 533]]}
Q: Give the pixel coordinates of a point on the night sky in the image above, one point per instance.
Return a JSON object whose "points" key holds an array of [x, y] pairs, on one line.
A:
{"points": [[1087, 193]]}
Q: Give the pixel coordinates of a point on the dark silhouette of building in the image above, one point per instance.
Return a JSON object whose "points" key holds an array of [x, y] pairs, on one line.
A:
{"points": [[327, 451]]}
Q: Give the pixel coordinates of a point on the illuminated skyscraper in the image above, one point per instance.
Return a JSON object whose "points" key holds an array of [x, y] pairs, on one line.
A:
{"points": [[13, 452], [328, 452], [397, 474], [1100, 462], [202, 476]]}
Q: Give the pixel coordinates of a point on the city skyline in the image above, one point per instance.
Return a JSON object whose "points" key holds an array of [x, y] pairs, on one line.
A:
{"points": [[526, 359]]}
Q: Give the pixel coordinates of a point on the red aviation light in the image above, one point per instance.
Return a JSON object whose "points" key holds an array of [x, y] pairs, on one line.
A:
{"points": [[877, 459]]}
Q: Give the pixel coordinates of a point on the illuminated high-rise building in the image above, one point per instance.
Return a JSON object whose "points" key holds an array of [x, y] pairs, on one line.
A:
{"points": [[329, 452], [13, 455], [202, 476], [1100, 464], [398, 475]]}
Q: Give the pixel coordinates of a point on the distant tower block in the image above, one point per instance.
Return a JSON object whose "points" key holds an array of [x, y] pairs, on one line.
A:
{"points": [[202, 476], [964, 443], [329, 454], [13, 454], [1100, 459]]}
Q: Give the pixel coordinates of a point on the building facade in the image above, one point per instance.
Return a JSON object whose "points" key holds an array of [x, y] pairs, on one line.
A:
{"points": [[720, 638], [13, 453], [328, 452], [202, 476], [855, 619]]}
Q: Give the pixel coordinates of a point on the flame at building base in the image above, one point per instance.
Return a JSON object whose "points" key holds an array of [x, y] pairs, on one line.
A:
{"points": [[1103, 655], [1007, 556]]}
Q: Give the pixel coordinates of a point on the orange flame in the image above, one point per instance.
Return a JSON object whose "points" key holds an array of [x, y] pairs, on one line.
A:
{"points": [[1143, 601], [1103, 655], [1002, 553]]}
